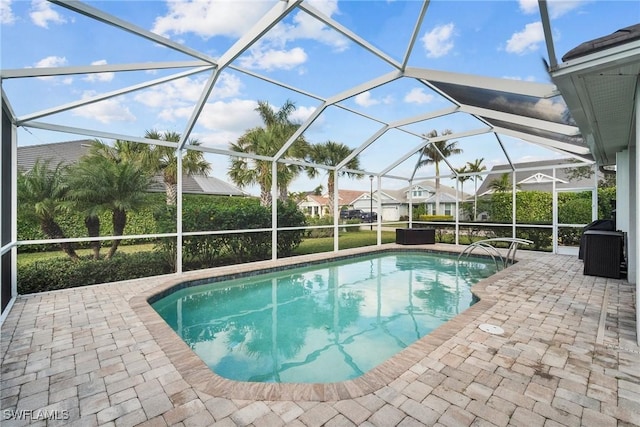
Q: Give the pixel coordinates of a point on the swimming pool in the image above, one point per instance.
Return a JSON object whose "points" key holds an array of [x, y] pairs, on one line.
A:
{"points": [[320, 323]]}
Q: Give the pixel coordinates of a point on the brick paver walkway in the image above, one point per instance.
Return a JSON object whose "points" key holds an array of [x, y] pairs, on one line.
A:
{"points": [[93, 356]]}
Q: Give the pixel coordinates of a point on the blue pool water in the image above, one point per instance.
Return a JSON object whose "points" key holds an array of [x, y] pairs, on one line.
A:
{"points": [[325, 322]]}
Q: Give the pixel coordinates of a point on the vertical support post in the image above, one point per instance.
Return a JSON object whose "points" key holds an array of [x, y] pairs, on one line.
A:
{"points": [[554, 213], [410, 204], [457, 232], [371, 202], [179, 211], [336, 215], [513, 204], [274, 210], [379, 220], [634, 238]]}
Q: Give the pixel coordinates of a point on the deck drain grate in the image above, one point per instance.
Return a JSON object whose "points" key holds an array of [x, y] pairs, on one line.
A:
{"points": [[491, 329]]}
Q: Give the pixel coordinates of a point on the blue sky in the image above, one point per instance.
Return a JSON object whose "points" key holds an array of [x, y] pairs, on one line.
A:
{"points": [[490, 38]]}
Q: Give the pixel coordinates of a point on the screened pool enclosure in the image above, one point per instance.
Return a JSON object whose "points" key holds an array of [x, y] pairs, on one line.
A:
{"points": [[396, 98]]}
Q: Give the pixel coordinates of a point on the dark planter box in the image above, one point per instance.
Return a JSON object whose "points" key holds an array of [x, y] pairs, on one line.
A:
{"points": [[415, 236]]}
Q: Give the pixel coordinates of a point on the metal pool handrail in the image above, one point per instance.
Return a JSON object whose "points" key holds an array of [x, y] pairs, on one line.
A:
{"points": [[493, 251]]}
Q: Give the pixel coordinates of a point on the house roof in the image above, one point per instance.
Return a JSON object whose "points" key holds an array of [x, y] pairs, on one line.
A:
{"points": [[345, 197], [70, 152], [534, 176]]}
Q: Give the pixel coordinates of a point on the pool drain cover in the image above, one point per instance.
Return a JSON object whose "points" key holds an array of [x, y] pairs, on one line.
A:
{"points": [[491, 329]]}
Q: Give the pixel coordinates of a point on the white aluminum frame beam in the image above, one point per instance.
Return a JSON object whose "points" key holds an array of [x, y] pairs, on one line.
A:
{"points": [[519, 87], [102, 97], [109, 19], [349, 34], [97, 69]]}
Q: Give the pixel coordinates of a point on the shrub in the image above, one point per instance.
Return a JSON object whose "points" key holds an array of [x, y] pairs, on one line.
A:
{"points": [[63, 273], [320, 232], [230, 214], [353, 229]]}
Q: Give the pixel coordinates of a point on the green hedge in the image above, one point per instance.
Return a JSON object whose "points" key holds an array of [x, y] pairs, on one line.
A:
{"points": [[141, 222], [233, 214], [62, 273]]}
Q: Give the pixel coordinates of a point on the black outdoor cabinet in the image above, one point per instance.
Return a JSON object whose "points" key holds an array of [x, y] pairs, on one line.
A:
{"points": [[603, 253], [415, 236]]}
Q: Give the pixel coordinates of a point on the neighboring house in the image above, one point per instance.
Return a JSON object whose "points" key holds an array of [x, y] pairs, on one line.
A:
{"points": [[538, 177], [395, 203], [318, 205], [70, 152]]}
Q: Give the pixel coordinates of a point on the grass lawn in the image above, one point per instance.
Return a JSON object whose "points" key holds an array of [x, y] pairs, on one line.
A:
{"points": [[308, 246], [30, 257], [346, 241]]}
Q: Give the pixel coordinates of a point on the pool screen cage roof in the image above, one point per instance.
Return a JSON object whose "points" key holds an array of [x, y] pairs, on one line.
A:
{"points": [[477, 109]]}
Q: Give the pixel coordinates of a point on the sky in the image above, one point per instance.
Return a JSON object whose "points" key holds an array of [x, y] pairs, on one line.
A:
{"points": [[501, 39]]}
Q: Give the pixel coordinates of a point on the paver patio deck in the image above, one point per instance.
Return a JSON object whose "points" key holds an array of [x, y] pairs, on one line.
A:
{"points": [[569, 356]]}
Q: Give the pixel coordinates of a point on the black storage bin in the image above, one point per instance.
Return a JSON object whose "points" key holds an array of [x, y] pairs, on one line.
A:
{"points": [[599, 224], [603, 253], [415, 236]]}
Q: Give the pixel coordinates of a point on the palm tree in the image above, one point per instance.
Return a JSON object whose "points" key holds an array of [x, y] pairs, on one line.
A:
{"points": [[45, 189], [267, 141], [87, 197], [434, 153], [331, 154], [108, 181], [476, 167], [502, 184], [462, 178], [163, 160]]}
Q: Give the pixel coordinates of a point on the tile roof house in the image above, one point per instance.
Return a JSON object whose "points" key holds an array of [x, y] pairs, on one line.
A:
{"points": [[71, 151], [395, 203]]}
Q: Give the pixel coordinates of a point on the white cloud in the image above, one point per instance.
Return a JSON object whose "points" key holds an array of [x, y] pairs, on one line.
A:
{"points": [[301, 114], [304, 26], [438, 42], [186, 91], [6, 14], [99, 77], [272, 59], [527, 40], [418, 96], [42, 14], [236, 116], [54, 61], [364, 99], [107, 111], [557, 8], [210, 18]]}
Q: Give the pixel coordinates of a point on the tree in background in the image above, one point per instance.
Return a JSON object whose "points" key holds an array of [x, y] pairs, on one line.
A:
{"points": [[502, 184], [101, 183], [332, 154], [476, 167], [267, 141], [45, 190], [163, 160], [434, 153]]}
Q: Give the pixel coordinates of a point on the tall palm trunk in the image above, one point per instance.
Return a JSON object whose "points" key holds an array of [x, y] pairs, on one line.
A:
{"points": [[331, 191], [53, 230], [93, 228], [265, 196], [172, 194], [437, 189], [119, 218], [283, 195]]}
